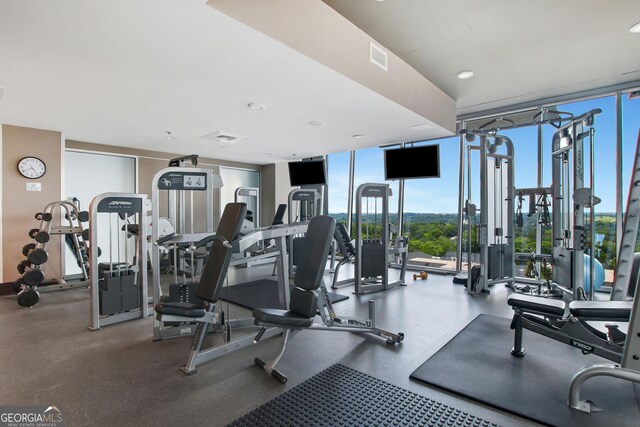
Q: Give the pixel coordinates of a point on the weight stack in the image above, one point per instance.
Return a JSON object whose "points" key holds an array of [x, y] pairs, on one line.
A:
{"points": [[119, 291], [374, 259], [183, 292]]}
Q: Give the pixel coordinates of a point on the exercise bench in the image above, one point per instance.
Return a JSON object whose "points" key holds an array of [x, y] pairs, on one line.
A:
{"points": [[310, 296]]}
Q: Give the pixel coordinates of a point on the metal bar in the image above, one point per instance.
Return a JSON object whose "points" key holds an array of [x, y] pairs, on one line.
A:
{"points": [[461, 170], [352, 159]]}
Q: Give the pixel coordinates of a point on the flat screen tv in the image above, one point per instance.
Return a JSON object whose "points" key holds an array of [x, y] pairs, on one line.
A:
{"points": [[412, 163], [307, 173]]}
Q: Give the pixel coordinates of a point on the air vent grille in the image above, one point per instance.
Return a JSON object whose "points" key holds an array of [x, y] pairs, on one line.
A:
{"points": [[378, 56]]}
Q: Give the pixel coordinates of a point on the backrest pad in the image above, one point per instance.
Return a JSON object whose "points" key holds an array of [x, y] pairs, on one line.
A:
{"points": [[217, 264], [315, 250], [344, 240]]}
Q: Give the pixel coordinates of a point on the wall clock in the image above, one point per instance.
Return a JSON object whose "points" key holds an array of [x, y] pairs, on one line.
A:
{"points": [[31, 167]]}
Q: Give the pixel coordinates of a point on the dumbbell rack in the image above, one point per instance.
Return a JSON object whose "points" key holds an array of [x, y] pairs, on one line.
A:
{"points": [[33, 278]]}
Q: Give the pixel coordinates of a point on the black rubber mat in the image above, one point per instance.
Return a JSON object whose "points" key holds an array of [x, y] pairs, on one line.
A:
{"points": [[341, 396], [477, 363], [261, 293]]}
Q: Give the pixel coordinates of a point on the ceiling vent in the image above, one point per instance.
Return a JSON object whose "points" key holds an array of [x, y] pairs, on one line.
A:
{"points": [[220, 136], [378, 56]]}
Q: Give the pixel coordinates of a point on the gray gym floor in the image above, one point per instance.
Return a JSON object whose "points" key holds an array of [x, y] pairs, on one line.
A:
{"points": [[118, 376]]}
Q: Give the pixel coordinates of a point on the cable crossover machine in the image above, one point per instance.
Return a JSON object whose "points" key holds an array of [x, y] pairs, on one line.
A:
{"points": [[495, 227]]}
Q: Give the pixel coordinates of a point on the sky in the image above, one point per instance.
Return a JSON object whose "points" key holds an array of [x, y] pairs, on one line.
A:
{"points": [[440, 195]]}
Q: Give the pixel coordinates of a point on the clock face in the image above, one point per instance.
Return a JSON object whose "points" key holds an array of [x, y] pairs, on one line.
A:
{"points": [[31, 167]]}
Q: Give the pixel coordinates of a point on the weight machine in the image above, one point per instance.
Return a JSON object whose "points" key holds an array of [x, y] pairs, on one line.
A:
{"points": [[119, 287], [303, 204], [495, 229], [572, 194], [570, 323], [375, 244], [178, 186]]}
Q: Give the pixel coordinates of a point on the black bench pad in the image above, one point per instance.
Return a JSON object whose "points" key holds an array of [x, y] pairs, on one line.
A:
{"points": [[538, 304], [180, 309], [605, 310], [281, 317]]}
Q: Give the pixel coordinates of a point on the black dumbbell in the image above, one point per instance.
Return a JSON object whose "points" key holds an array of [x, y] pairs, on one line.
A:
{"points": [[85, 234], [28, 297], [17, 285], [33, 277], [38, 256], [42, 237], [23, 265], [28, 248], [43, 216], [33, 232], [83, 216]]}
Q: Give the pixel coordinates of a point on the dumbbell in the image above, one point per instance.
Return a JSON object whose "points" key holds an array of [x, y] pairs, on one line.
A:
{"points": [[28, 248], [43, 216], [28, 297], [33, 232], [33, 277], [83, 216], [422, 275], [85, 234], [38, 256], [17, 285], [42, 237], [23, 265]]}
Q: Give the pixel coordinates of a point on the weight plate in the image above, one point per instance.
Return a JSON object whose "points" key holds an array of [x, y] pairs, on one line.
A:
{"points": [[38, 256], [83, 216], [42, 237], [28, 248], [17, 285], [23, 265], [85, 234], [33, 232], [28, 297], [33, 277], [47, 216]]}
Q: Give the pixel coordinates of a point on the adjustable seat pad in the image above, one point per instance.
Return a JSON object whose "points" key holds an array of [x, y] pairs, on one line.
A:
{"points": [[537, 304], [281, 317], [605, 310], [311, 266], [180, 309]]}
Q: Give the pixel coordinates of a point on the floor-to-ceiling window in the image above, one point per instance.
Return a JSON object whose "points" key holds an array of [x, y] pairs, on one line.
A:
{"points": [[630, 139], [604, 175], [430, 217], [338, 185], [369, 168]]}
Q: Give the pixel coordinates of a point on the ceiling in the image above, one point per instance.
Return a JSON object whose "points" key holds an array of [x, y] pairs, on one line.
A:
{"points": [[519, 50], [126, 72]]}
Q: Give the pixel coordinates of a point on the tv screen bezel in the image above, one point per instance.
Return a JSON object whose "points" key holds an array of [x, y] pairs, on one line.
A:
{"points": [[386, 175], [324, 172]]}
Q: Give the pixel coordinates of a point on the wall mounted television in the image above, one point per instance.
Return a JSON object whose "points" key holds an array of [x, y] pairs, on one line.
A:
{"points": [[307, 173], [412, 162]]}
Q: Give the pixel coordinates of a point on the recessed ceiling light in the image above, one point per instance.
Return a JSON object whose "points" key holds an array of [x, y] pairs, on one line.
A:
{"points": [[465, 75], [635, 28], [358, 136], [315, 123], [268, 154], [256, 106]]}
